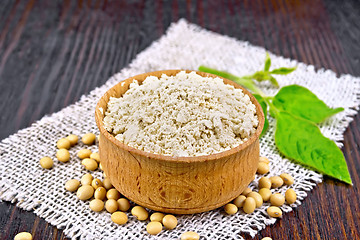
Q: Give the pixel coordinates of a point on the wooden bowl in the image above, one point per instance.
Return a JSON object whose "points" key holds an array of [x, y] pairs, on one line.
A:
{"points": [[180, 185]]}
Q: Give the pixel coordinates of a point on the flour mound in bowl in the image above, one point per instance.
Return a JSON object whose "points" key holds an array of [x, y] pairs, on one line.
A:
{"points": [[181, 115]]}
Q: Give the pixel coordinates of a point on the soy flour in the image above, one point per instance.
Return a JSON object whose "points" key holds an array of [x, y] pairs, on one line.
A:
{"points": [[182, 115]]}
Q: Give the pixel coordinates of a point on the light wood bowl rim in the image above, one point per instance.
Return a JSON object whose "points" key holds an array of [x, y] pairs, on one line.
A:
{"points": [[99, 116]]}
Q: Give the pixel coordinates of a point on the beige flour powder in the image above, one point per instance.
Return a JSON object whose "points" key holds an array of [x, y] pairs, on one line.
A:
{"points": [[182, 115]]}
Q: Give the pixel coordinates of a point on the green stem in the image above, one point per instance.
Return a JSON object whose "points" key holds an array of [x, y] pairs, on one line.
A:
{"points": [[245, 81]]}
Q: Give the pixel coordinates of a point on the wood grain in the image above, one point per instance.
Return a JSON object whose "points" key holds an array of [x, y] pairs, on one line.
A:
{"points": [[52, 52], [179, 185]]}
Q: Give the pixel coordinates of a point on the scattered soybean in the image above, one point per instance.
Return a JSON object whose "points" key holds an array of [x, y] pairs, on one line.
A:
{"points": [[169, 221], [276, 181], [96, 205], [239, 201], [190, 236], [96, 183], [264, 182], [63, 155], [111, 205], [257, 197], [124, 204], [85, 192], [23, 236], [63, 143], [140, 213], [277, 199], [84, 153], [265, 194], [290, 196], [100, 193], [274, 211], [46, 162], [95, 156], [73, 139], [263, 168], [88, 138], [231, 208], [154, 228], [113, 194], [249, 205], [156, 217], [72, 185], [86, 179], [288, 180], [119, 218], [89, 164]]}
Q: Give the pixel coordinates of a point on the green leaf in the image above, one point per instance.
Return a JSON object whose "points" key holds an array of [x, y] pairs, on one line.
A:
{"points": [[274, 81], [267, 62], [283, 70], [261, 76], [264, 108], [302, 141], [301, 102]]}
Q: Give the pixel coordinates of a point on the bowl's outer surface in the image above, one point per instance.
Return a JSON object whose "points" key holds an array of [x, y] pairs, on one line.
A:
{"points": [[180, 185]]}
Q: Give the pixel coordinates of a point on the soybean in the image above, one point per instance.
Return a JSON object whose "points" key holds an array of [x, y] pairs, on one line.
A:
{"points": [[276, 181], [89, 164], [113, 194], [274, 211], [246, 191], [63, 143], [277, 199], [111, 205], [72, 185], [119, 218], [123, 204], [169, 221], [249, 205], [288, 180], [265, 194], [63, 155], [264, 182], [46, 162], [96, 205], [231, 208], [264, 159], [73, 139], [263, 168], [107, 183], [95, 156], [239, 201], [96, 183], [156, 217], [140, 213], [23, 236], [190, 236], [154, 228], [257, 197], [86, 179], [290, 196], [85, 192], [84, 153], [88, 138], [100, 193]]}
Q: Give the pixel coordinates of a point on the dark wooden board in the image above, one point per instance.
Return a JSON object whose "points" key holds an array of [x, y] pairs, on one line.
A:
{"points": [[52, 52]]}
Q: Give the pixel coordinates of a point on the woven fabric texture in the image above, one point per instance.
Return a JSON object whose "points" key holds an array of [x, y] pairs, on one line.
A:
{"points": [[185, 46]]}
